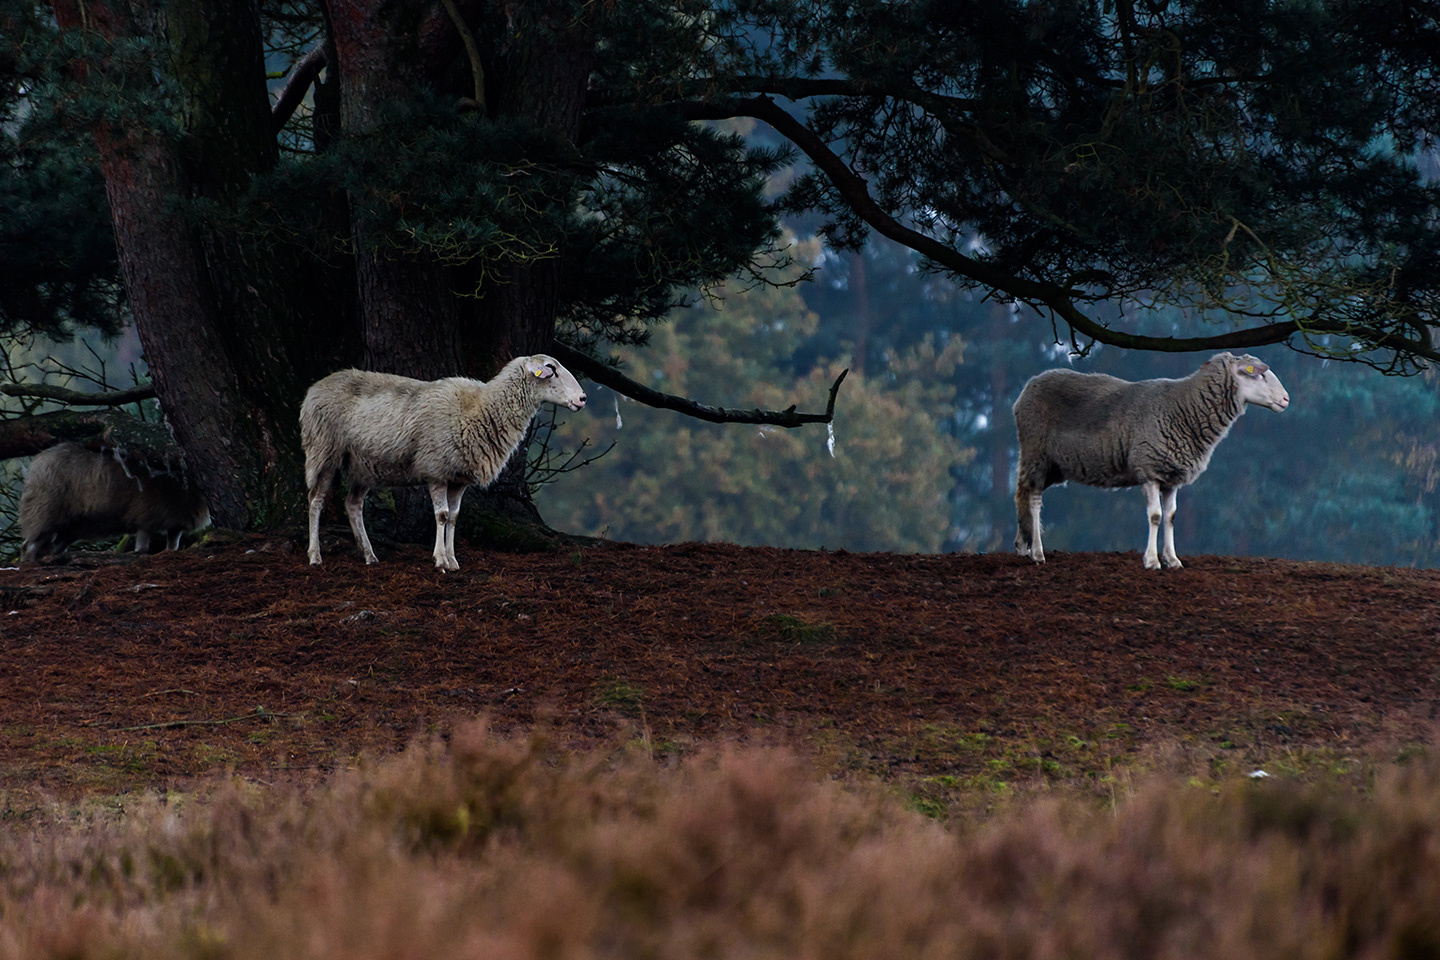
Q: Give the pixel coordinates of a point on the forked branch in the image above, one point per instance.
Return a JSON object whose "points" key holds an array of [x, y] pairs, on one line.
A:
{"points": [[608, 376]]}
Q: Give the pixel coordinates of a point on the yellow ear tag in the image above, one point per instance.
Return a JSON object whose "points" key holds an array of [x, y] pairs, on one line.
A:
{"points": [[1249, 369], [541, 373]]}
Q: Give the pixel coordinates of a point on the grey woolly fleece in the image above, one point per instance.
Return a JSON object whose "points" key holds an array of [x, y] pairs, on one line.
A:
{"points": [[1096, 429], [383, 430]]}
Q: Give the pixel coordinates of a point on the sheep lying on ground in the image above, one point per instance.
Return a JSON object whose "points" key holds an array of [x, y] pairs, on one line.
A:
{"points": [[1105, 432], [381, 430], [72, 493]]}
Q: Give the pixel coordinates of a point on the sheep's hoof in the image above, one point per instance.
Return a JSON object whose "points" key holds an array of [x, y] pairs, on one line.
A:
{"points": [[1152, 562], [314, 561], [1173, 563], [1038, 557]]}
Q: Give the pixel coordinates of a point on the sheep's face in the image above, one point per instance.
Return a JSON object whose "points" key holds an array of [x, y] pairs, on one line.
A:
{"points": [[1258, 384], [558, 385]]}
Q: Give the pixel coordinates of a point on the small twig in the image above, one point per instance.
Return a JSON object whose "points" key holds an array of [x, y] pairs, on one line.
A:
{"points": [[258, 713]]}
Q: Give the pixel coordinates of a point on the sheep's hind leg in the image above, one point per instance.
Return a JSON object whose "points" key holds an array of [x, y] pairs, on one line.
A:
{"points": [[453, 493], [319, 490], [1169, 557], [1152, 510], [142, 541], [1023, 536], [355, 510], [1027, 523], [1027, 520], [441, 502]]}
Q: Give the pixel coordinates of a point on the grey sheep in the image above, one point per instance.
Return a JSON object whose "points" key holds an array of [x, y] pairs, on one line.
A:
{"points": [[72, 493], [1106, 432], [381, 430]]}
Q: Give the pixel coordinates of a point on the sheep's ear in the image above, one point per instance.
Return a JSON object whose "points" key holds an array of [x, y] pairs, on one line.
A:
{"points": [[1254, 368], [539, 368]]}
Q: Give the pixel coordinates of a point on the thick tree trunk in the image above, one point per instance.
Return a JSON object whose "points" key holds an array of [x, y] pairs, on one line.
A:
{"points": [[540, 55], [407, 310], [220, 371], [408, 313], [542, 81], [169, 290]]}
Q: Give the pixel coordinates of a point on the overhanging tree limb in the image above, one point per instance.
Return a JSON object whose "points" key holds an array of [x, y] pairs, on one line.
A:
{"points": [[608, 376], [305, 73], [44, 391], [853, 189]]}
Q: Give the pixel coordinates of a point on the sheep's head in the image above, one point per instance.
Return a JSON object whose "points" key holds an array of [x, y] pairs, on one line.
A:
{"points": [[558, 385], [1258, 384]]}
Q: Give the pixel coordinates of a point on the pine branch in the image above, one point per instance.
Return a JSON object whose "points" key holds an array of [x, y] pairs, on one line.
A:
{"points": [[608, 376], [44, 391], [1040, 295]]}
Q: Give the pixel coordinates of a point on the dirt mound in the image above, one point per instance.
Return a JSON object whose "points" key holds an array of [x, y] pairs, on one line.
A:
{"points": [[937, 672]]}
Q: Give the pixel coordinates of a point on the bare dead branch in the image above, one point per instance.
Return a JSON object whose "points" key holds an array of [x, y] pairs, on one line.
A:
{"points": [[45, 391], [304, 73], [608, 376]]}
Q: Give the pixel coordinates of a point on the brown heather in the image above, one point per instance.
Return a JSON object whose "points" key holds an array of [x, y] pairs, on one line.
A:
{"points": [[493, 848]]}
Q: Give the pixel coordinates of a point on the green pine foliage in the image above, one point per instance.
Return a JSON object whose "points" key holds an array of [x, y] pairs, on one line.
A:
{"points": [[58, 268]]}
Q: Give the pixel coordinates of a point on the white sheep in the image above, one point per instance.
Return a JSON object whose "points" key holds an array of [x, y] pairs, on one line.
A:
{"points": [[72, 493], [381, 430], [1106, 432]]}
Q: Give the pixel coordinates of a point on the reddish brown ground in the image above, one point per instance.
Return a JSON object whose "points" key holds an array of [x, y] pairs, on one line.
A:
{"points": [[933, 672]]}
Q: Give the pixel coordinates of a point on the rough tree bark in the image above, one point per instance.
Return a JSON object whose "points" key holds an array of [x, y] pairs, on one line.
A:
{"points": [[407, 310], [169, 287], [542, 79]]}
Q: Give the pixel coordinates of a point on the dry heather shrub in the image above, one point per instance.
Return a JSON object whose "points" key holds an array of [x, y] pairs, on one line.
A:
{"points": [[498, 849]]}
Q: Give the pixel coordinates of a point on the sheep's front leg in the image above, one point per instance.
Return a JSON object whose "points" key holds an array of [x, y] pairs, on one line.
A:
{"points": [[172, 540], [1169, 555], [142, 541], [355, 510], [440, 500], [453, 493], [1152, 509]]}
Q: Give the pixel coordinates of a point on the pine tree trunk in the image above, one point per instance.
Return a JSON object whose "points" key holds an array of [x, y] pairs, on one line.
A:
{"points": [[170, 292], [221, 319], [542, 81]]}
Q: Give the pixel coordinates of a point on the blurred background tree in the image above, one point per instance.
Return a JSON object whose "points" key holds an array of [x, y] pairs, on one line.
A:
{"points": [[672, 479]]}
